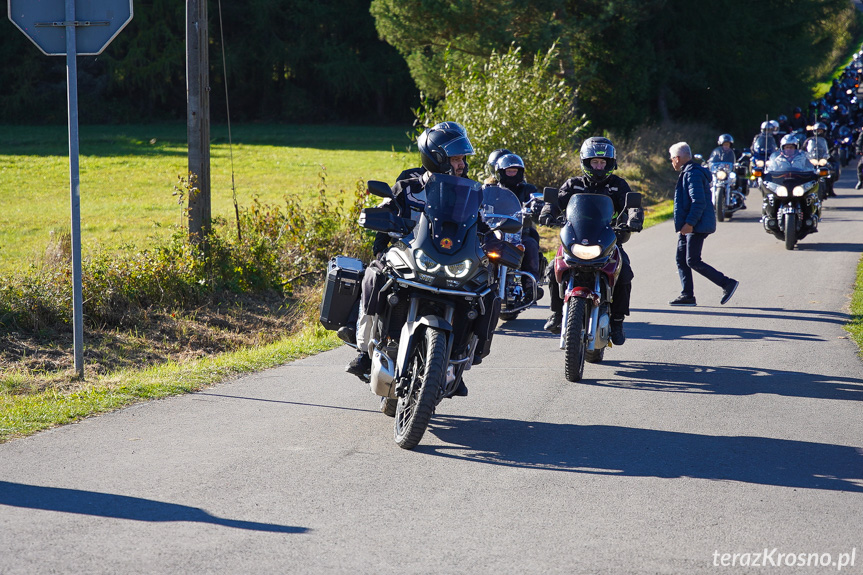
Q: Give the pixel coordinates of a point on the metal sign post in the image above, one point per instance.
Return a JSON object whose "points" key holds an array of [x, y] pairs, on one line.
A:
{"points": [[54, 27]]}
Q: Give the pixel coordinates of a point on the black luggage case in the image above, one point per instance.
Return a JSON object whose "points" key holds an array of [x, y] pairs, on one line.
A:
{"points": [[341, 292]]}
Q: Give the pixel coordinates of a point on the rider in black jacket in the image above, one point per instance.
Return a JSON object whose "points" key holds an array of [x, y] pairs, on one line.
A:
{"points": [[443, 149], [598, 160]]}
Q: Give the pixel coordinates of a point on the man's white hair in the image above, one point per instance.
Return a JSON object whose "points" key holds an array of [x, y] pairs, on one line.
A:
{"points": [[681, 149]]}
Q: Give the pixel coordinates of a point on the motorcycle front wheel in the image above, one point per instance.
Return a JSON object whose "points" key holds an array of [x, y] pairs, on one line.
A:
{"points": [[426, 371], [575, 343], [790, 231]]}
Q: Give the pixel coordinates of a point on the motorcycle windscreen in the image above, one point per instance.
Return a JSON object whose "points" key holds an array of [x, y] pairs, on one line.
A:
{"points": [[780, 166], [500, 208], [588, 219], [452, 209]]}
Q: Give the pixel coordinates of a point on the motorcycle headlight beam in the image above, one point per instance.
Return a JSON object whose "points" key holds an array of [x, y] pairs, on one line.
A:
{"points": [[585, 252], [721, 175]]}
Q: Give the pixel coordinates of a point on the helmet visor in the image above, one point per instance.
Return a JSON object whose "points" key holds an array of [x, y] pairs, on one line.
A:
{"points": [[458, 147]]}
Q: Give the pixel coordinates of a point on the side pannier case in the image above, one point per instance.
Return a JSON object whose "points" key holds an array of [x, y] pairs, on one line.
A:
{"points": [[341, 292]]}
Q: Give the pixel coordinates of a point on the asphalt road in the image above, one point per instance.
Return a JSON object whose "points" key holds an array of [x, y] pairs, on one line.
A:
{"points": [[714, 431]]}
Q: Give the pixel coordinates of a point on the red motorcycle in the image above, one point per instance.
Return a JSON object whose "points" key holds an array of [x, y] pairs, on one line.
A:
{"points": [[586, 267]]}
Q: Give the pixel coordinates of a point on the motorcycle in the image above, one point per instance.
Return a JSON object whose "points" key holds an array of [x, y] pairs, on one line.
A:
{"points": [[727, 198], [819, 155], [844, 146], [436, 297], [518, 290], [791, 206], [587, 266]]}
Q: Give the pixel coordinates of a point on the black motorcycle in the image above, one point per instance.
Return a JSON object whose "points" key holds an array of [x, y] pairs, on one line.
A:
{"points": [[437, 295], [517, 289], [791, 206]]}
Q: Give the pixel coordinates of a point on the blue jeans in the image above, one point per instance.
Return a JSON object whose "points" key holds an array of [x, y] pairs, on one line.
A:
{"points": [[689, 259]]}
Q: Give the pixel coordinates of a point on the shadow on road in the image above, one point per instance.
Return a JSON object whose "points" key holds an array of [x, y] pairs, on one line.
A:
{"points": [[120, 507], [682, 378], [746, 314], [632, 452]]}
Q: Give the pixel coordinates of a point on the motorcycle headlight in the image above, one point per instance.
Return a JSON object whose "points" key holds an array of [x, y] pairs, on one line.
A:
{"points": [[425, 263], [458, 270], [721, 175], [822, 162], [759, 163], [585, 252], [798, 191], [782, 191]]}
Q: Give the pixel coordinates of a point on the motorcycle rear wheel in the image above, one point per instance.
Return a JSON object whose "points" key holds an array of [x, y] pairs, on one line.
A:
{"points": [[426, 370], [790, 231], [575, 342]]}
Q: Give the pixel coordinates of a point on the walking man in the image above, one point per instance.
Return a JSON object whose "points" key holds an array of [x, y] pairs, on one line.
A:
{"points": [[694, 220]]}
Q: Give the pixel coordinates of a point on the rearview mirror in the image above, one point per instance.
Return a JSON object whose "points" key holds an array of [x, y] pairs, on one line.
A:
{"points": [[379, 189], [549, 195]]}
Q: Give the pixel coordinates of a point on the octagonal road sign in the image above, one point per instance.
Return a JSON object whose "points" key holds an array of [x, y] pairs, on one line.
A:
{"points": [[96, 22]]}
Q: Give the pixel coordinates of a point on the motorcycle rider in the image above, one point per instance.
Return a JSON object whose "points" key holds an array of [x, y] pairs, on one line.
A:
{"points": [[598, 161], [859, 148], [725, 153], [764, 142], [817, 147], [509, 169], [420, 170], [797, 120], [443, 150], [790, 157], [490, 169]]}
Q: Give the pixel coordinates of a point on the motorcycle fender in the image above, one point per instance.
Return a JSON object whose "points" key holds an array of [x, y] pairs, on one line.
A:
{"points": [[581, 292], [406, 339]]}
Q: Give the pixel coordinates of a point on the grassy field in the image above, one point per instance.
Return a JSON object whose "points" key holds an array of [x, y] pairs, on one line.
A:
{"points": [[128, 176]]}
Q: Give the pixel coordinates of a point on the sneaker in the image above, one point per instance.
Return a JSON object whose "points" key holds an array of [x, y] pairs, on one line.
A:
{"points": [[859, 186], [360, 365], [729, 291], [347, 334], [553, 323], [618, 336], [687, 300]]}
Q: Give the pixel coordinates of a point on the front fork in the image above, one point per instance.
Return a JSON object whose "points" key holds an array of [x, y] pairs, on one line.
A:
{"points": [[574, 291]]}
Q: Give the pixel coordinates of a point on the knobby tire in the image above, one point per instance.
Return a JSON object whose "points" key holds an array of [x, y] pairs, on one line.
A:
{"points": [[427, 369]]}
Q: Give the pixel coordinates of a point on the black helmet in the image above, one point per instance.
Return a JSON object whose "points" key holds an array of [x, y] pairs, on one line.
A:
{"points": [[725, 138], [450, 126], [506, 162], [603, 149], [438, 145], [493, 158], [798, 110]]}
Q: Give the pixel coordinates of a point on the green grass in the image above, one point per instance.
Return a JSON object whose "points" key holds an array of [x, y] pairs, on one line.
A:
{"points": [[855, 326], [26, 414], [128, 174]]}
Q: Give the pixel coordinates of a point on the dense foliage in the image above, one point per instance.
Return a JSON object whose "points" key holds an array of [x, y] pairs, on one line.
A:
{"points": [[286, 61], [505, 103], [724, 63]]}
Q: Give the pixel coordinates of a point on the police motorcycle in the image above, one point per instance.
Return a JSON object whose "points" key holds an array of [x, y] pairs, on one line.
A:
{"points": [[518, 290], [791, 205], [587, 266], [433, 302]]}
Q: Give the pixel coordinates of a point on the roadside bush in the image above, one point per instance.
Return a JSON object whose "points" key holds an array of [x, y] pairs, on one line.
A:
{"points": [[278, 249], [504, 103]]}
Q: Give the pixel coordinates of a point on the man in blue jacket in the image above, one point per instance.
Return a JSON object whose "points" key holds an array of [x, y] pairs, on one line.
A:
{"points": [[694, 220]]}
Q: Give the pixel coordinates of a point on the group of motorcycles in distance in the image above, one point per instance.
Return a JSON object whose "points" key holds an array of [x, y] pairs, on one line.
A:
{"points": [[794, 181]]}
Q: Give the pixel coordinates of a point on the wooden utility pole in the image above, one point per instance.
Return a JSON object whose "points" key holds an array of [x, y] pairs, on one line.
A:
{"points": [[198, 117]]}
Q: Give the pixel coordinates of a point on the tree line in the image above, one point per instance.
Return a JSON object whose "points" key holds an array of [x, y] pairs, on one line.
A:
{"points": [[630, 62]]}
